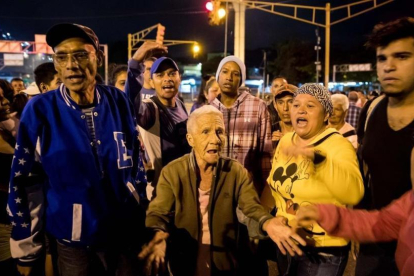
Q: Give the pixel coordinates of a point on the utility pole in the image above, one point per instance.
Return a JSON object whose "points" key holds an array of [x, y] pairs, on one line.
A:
{"points": [[317, 49], [264, 71], [239, 28], [226, 29], [327, 42]]}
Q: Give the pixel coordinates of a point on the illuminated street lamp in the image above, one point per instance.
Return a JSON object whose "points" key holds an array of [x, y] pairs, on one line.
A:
{"points": [[196, 50]]}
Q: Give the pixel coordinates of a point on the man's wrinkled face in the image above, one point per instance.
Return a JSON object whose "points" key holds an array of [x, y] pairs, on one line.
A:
{"points": [[207, 138], [76, 63], [276, 84], [17, 86], [147, 74], [338, 114], [283, 106], [229, 78], [121, 80], [166, 81], [395, 66]]}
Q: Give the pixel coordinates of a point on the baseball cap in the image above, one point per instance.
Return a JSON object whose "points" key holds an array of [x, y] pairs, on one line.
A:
{"points": [[31, 90], [286, 88], [63, 31], [161, 60]]}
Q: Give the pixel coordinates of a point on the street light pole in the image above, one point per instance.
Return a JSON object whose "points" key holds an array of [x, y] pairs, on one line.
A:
{"points": [[327, 42], [317, 48], [225, 29]]}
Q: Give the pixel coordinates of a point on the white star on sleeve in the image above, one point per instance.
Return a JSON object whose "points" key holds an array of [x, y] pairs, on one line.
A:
{"points": [[20, 214], [141, 169], [16, 147], [26, 150], [16, 174], [18, 200], [13, 223], [22, 161], [24, 225], [15, 188]]}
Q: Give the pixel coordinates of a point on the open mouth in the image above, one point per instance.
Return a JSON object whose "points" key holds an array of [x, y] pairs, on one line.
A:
{"points": [[301, 122], [212, 151], [168, 87], [228, 85], [76, 78]]}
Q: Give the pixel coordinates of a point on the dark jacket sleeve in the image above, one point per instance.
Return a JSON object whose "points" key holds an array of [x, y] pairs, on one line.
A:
{"points": [[159, 210]]}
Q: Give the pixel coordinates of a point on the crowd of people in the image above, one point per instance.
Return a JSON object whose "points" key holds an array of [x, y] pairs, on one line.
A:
{"points": [[121, 179]]}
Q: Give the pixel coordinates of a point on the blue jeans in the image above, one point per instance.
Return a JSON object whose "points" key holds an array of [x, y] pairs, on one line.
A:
{"points": [[321, 262], [74, 261]]}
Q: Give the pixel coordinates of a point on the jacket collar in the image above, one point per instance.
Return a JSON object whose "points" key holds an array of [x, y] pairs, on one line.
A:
{"points": [[70, 102]]}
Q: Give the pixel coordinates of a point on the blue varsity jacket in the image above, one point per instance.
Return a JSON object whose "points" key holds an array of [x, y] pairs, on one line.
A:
{"points": [[79, 189]]}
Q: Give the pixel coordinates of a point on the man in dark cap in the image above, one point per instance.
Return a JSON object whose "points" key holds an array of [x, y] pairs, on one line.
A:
{"points": [[162, 118], [72, 174]]}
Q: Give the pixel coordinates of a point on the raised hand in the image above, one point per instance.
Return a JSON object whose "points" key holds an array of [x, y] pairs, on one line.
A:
{"points": [[149, 49]]}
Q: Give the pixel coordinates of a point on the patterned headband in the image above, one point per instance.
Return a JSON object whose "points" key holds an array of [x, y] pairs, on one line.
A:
{"points": [[320, 93]]}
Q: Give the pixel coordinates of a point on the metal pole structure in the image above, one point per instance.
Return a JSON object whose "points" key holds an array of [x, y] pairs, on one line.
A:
{"points": [[333, 73], [264, 71], [225, 29], [317, 48], [327, 42], [105, 46], [129, 46], [239, 29]]}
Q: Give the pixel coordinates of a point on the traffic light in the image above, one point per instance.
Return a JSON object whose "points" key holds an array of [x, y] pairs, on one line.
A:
{"points": [[216, 12], [160, 34]]}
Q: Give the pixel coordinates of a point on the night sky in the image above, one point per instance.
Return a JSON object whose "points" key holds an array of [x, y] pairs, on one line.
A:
{"points": [[185, 20]]}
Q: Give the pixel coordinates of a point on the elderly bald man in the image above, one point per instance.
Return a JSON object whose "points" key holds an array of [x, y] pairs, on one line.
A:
{"points": [[196, 202]]}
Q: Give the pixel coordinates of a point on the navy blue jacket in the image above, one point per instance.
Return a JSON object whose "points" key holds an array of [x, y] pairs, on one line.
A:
{"points": [[59, 180]]}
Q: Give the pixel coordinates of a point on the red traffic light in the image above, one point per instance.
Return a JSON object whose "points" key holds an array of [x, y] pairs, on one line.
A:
{"points": [[209, 6]]}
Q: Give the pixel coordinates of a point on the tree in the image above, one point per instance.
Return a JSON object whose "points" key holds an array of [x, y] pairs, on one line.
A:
{"points": [[295, 60]]}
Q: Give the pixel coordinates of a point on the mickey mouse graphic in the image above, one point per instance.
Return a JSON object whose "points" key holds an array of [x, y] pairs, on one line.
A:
{"points": [[287, 179]]}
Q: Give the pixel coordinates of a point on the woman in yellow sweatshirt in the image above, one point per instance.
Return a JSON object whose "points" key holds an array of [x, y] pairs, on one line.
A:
{"points": [[313, 164]]}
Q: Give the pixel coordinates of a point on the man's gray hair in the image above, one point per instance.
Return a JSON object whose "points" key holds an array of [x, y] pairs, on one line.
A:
{"points": [[340, 99], [204, 110]]}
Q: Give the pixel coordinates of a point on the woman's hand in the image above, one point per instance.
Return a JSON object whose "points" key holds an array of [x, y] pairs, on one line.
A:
{"points": [[307, 215], [283, 235], [154, 254]]}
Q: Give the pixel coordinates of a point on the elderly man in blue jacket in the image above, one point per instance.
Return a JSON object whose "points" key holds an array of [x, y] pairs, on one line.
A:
{"points": [[73, 171]]}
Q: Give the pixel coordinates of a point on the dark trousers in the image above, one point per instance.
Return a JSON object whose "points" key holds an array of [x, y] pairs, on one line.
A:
{"points": [[74, 261], [377, 259], [331, 262]]}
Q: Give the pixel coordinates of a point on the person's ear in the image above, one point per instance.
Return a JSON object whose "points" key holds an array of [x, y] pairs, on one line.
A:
{"points": [[100, 58], [43, 87], [151, 81], [190, 140], [326, 117]]}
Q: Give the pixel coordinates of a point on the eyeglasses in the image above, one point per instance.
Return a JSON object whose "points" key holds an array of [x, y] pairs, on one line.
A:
{"points": [[80, 58]]}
